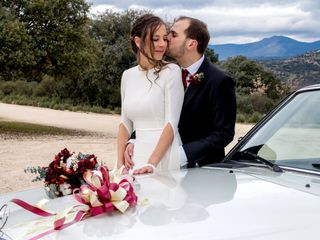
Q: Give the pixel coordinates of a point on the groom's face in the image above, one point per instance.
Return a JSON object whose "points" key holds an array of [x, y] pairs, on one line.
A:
{"points": [[177, 39]]}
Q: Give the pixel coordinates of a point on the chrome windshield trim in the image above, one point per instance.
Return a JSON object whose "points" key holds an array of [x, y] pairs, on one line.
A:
{"points": [[300, 170]]}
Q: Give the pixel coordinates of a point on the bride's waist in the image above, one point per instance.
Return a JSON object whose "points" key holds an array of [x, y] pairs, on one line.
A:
{"points": [[147, 139], [148, 134], [152, 134], [148, 129]]}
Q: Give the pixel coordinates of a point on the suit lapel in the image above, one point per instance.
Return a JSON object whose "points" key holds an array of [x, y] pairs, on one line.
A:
{"points": [[193, 88]]}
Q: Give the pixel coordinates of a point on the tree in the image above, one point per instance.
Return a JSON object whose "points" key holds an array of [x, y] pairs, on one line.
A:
{"points": [[16, 53], [252, 78], [213, 57], [112, 31], [58, 31]]}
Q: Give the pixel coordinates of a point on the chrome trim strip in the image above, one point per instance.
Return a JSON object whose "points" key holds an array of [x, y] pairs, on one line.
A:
{"points": [[300, 170]]}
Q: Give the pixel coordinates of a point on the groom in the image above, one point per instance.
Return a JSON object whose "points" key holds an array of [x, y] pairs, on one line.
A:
{"points": [[208, 114]]}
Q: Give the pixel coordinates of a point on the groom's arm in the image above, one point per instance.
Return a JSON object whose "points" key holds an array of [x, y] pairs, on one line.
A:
{"points": [[133, 136]]}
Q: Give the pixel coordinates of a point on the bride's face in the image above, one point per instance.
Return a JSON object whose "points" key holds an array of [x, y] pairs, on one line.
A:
{"points": [[159, 43], [156, 45]]}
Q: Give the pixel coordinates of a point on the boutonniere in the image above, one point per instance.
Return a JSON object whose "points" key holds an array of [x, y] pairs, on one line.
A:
{"points": [[196, 78]]}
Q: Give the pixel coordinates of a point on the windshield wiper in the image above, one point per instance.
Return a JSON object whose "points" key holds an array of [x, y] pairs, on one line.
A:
{"points": [[316, 165], [252, 156]]}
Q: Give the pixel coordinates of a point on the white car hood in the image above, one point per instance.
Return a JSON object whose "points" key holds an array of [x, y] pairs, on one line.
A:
{"points": [[197, 204]]}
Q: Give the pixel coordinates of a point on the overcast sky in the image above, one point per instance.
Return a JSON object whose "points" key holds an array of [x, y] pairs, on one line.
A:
{"points": [[234, 21]]}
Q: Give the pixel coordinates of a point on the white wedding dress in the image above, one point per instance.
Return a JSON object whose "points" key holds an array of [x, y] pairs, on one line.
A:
{"points": [[148, 105]]}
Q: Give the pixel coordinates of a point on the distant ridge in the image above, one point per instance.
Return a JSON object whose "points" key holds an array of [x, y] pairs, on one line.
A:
{"points": [[298, 71], [276, 47]]}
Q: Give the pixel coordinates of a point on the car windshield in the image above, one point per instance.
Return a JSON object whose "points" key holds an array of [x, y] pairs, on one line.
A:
{"points": [[291, 137]]}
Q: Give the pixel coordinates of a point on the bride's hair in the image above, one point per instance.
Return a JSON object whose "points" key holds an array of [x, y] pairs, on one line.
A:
{"points": [[142, 26]]}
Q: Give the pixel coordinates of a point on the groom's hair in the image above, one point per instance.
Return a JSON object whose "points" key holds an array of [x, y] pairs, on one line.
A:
{"points": [[197, 30]]}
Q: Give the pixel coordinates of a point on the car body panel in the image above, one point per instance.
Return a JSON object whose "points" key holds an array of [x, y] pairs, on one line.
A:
{"points": [[200, 203], [238, 199]]}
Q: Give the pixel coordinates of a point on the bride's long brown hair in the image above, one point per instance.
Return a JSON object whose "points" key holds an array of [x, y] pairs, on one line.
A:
{"points": [[144, 25]]}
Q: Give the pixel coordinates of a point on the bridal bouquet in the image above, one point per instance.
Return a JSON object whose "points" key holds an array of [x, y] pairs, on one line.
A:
{"points": [[64, 173]]}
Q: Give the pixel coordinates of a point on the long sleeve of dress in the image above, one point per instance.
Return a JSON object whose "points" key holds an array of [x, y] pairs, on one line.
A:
{"points": [[174, 94], [124, 119]]}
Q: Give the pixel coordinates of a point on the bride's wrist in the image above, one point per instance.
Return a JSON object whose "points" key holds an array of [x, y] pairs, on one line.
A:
{"points": [[151, 165], [120, 164]]}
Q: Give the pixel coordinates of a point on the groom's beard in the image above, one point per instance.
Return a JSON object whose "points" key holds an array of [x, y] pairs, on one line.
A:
{"points": [[179, 52]]}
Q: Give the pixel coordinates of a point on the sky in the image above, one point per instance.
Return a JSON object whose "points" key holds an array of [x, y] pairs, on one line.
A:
{"points": [[234, 21]]}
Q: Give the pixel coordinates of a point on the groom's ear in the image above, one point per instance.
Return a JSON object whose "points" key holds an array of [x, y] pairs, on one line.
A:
{"points": [[137, 41], [192, 44]]}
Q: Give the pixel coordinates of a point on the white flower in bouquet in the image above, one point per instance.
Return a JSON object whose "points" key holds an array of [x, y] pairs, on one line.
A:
{"points": [[72, 162]]}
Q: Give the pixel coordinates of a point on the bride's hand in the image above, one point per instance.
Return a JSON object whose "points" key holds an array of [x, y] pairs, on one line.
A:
{"points": [[128, 156], [148, 168], [125, 171]]}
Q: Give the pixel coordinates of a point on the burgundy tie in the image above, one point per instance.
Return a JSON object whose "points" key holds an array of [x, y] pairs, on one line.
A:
{"points": [[184, 77]]}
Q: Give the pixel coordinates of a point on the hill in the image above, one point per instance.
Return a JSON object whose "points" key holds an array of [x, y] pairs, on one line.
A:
{"points": [[276, 47], [298, 71]]}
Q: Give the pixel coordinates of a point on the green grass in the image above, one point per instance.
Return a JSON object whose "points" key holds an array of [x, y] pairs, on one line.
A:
{"points": [[55, 103], [18, 128]]}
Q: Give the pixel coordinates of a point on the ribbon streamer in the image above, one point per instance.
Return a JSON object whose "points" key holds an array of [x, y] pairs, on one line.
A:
{"points": [[103, 192]]}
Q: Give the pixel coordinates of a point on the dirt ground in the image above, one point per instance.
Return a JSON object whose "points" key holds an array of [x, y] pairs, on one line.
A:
{"points": [[19, 152]]}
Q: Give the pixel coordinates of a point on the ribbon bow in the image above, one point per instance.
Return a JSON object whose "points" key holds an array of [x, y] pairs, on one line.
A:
{"points": [[103, 192], [103, 195]]}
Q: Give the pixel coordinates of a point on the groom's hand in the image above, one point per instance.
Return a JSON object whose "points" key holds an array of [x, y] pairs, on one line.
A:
{"points": [[128, 156]]}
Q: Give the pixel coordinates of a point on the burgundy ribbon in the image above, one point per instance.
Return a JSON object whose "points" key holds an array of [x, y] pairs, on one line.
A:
{"points": [[104, 196], [103, 192], [58, 224]]}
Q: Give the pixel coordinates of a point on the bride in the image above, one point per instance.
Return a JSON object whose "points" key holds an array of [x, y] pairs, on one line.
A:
{"points": [[151, 97]]}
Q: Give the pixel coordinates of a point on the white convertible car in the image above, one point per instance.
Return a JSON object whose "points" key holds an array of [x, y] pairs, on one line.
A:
{"points": [[268, 187]]}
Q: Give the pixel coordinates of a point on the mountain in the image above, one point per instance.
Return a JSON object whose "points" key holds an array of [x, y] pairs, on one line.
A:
{"points": [[268, 48], [298, 71]]}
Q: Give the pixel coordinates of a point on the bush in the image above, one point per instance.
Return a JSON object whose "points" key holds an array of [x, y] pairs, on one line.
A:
{"points": [[23, 88], [244, 104], [18, 87], [241, 118], [249, 104], [249, 118], [45, 88], [261, 103], [255, 117], [7, 87]]}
